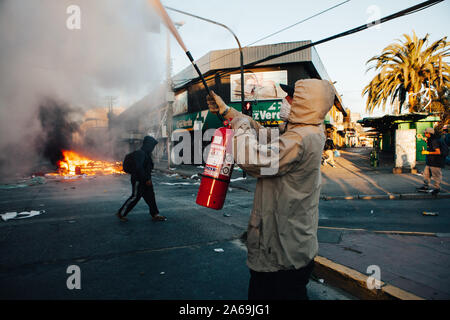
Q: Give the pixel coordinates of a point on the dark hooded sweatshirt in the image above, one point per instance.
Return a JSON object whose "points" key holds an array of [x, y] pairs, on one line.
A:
{"points": [[144, 162]]}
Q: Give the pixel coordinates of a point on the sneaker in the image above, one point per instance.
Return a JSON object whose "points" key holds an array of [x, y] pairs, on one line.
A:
{"points": [[159, 218], [435, 191], [121, 218], [423, 189]]}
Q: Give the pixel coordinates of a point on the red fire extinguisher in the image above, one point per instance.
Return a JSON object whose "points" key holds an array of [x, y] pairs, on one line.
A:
{"points": [[218, 169]]}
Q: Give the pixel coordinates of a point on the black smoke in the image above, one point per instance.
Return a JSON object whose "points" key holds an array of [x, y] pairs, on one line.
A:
{"points": [[58, 129]]}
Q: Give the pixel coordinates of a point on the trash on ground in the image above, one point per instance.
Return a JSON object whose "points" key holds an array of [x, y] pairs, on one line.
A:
{"points": [[427, 213], [173, 175], [180, 183], [36, 180], [321, 280], [162, 272], [218, 250], [371, 211], [22, 215], [227, 215]]}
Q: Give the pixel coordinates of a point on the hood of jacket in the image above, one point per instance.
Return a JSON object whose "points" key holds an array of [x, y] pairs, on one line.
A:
{"points": [[313, 99], [149, 144]]}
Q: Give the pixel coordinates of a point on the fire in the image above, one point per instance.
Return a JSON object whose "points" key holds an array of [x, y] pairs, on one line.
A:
{"points": [[76, 164]]}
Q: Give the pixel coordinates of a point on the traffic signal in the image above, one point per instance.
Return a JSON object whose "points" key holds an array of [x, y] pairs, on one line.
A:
{"points": [[247, 108]]}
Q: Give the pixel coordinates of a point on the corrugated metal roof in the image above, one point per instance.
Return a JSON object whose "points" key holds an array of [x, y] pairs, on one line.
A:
{"points": [[230, 58]]}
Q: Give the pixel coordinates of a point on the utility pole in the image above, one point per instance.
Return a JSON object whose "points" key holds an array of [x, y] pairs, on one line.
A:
{"points": [[110, 115]]}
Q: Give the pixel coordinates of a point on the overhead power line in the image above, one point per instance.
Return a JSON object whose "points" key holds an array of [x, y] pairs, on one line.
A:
{"points": [[297, 23], [270, 35], [408, 11]]}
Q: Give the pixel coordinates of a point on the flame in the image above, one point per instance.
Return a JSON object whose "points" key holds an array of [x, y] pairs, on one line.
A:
{"points": [[76, 164]]}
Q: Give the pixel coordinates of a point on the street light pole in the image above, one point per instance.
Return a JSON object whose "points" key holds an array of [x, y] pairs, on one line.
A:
{"points": [[237, 40]]}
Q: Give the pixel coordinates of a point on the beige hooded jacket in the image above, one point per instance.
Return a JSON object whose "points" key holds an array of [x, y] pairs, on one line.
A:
{"points": [[282, 231]]}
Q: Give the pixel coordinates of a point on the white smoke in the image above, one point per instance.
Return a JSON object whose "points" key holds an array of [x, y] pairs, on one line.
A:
{"points": [[116, 51]]}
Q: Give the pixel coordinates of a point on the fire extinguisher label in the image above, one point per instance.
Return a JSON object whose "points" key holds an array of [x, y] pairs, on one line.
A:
{"points": [[216, 155], [211, 171], [217, 140], [215, 160]]}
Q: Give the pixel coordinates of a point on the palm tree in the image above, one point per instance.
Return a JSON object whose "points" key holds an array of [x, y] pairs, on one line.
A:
{"points": [[408, 70]]}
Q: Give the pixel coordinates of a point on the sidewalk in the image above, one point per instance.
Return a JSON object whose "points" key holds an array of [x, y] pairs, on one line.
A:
{"points": [[412, 266], [353, 177]]}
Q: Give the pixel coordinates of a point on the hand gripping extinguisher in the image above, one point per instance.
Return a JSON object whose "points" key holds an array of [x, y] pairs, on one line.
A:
{"points": [[218, 169]]}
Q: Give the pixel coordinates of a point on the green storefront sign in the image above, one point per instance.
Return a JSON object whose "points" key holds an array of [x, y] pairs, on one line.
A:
{"points": [[265, 112]]}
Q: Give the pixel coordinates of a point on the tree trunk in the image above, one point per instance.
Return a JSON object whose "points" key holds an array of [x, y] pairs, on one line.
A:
{"points": [[411, 101]]}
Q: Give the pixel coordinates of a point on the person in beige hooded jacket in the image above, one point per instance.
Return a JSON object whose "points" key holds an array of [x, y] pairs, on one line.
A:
{"points": [[282, 230]]}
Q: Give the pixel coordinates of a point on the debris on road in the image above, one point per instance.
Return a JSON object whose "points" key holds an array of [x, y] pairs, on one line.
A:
{"points": [[36, 180], [237, 179], [227, 215], [219, 250], [180, 183], [427, 213], [22, 215]]}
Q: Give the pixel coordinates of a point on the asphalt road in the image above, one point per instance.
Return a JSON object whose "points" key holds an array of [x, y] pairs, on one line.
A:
{"points": [[387, 215], [196, 254]]}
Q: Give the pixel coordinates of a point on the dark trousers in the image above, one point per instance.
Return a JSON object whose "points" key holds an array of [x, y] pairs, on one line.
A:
{"points": [[139, 190], [280, 285]]}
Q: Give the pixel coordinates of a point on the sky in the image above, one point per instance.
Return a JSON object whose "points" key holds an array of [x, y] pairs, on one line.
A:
{"points": [[344, 59]]}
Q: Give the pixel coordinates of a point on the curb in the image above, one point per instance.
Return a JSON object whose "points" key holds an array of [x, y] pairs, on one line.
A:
{"points": [[406, 196], [391, 232], [355, 282]]}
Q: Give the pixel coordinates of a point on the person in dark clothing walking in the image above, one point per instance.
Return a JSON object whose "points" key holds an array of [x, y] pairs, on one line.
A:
{"points": [[141, 182], [434, 162]]}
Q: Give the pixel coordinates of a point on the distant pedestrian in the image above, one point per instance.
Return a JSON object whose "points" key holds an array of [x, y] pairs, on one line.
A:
{"points": [[446, 139], [329, 149], [446, 135], [434, 162], [141, 181]]}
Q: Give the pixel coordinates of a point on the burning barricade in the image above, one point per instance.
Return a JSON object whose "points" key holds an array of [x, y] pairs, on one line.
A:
{"points": [[75, 164]]}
